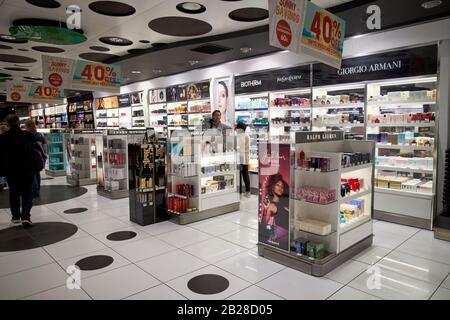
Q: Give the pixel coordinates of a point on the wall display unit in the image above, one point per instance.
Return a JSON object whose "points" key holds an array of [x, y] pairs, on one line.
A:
{"points": [[115, 162], [81, 112], [147, 180], [56, 116], [316, 201], [157, 110], [82, 169], [58, 153], [38, 115], [340, 107], [401, 120], [202, 177], [107, 112]]}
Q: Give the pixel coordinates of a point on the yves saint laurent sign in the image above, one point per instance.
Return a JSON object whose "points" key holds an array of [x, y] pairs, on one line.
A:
{"points": [[310, 137], [292, 78], [389, 65]]}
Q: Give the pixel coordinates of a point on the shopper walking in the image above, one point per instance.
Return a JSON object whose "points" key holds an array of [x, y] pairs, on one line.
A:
{"points": [[30, 126], [19, 162], [243, 149]]}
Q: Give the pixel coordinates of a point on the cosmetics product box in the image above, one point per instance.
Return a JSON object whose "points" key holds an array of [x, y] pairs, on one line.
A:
{"points": [[314, 226], [316, 250]]}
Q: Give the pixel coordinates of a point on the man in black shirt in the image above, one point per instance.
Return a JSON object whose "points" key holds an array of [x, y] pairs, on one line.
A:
{"points": [[16, 165]]}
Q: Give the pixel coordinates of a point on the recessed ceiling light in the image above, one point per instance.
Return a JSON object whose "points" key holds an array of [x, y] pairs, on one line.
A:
{"points": [[193, 62], [246, 50], [431, 4], [157, 71], [135, 72], [191, 7]]}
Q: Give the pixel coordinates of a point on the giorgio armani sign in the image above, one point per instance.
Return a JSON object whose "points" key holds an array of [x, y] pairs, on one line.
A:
{"points": [[389, 65]]}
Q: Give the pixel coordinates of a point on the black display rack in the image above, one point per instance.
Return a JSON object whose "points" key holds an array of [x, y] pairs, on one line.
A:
{"points": [[442, 226], [147, 181]]}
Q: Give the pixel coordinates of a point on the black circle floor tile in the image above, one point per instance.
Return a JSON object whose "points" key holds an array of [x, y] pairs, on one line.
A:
{"points": [[208, 284], [76, 210], [121, 236], [94, 263], [48, 194], [39, 235]]}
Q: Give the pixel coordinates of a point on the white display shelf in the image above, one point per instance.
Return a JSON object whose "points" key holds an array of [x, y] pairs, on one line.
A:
{"points": [[293, 108], [218, 173], [401, 103], [290, 125], [217, 193], [403, 147], [336, 106], [344, 228], [356, 168], [355, 195], [412, 124], [345, 125], [398, 169], [421, 195]]}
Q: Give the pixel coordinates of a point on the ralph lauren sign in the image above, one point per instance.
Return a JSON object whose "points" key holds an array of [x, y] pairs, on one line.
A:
{"points": [[292, 78], [389, 65]]}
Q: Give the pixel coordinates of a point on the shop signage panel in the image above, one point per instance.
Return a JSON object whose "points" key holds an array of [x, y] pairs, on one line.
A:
{"points": [[73, 74], [323, 35], [33, 93], [176, 93], [124, 100], [274, 196], [196, 91], [156, 96], [325, 136], [389, 65], [286, 23], [291, 78]]}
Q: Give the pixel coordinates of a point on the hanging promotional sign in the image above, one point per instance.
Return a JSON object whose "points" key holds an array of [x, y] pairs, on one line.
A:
{"points": [[274, 196], [302, 27], [33, 93], [80, 75], [323, 35], [286, 23]]}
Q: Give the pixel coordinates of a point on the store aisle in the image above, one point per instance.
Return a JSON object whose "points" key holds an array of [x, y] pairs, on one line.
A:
{"points": [[168, 261]]}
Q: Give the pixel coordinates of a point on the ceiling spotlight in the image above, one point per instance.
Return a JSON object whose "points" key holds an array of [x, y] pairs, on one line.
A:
{"points": [[7, 37], [156, 71], [135, 72], [431, 4], [246, 50], [193, 62], [191, 7]]}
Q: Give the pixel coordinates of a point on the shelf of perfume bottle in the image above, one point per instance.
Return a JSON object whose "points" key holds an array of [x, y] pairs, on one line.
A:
{"points": [[400, 103], [399, 169], [404, 147], [218, 173], [293, 108], [410, 124], [220, 192], [354, 223], [355, 195], [336, 106], [414, 194], [346, 125], [281, 125], [181, 196], [357, 167]]}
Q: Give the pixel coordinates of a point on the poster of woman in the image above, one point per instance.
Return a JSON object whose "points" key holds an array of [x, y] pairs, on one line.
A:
{"points": [[274, 191], [224, 100]]}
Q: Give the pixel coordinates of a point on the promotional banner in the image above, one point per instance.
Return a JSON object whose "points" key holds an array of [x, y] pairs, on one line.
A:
{"points": [[274, 195], [223, 99], [33, 93], [286, 23], [80, 75], [323, 35]]}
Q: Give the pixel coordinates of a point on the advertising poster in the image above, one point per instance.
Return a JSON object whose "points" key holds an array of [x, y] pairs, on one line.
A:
{"points": [[323, 35], [136, 98], [65, 73], [286, 23], [223, 99], [124, 100], [274, 196], [196, 91], [33, 93]]}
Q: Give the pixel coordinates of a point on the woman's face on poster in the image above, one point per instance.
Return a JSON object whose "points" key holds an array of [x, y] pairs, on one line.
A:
{"points": [[278, 188], [222, 99]]}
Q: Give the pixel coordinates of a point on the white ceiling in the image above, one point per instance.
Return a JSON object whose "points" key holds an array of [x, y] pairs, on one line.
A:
{"points": [[134, 27]]}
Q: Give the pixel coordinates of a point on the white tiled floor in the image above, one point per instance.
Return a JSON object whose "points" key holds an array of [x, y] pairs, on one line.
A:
{"points": [[159, 262]]}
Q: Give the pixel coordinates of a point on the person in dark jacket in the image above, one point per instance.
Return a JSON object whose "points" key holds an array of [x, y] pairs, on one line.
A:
{"points": [[15, 146]]}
